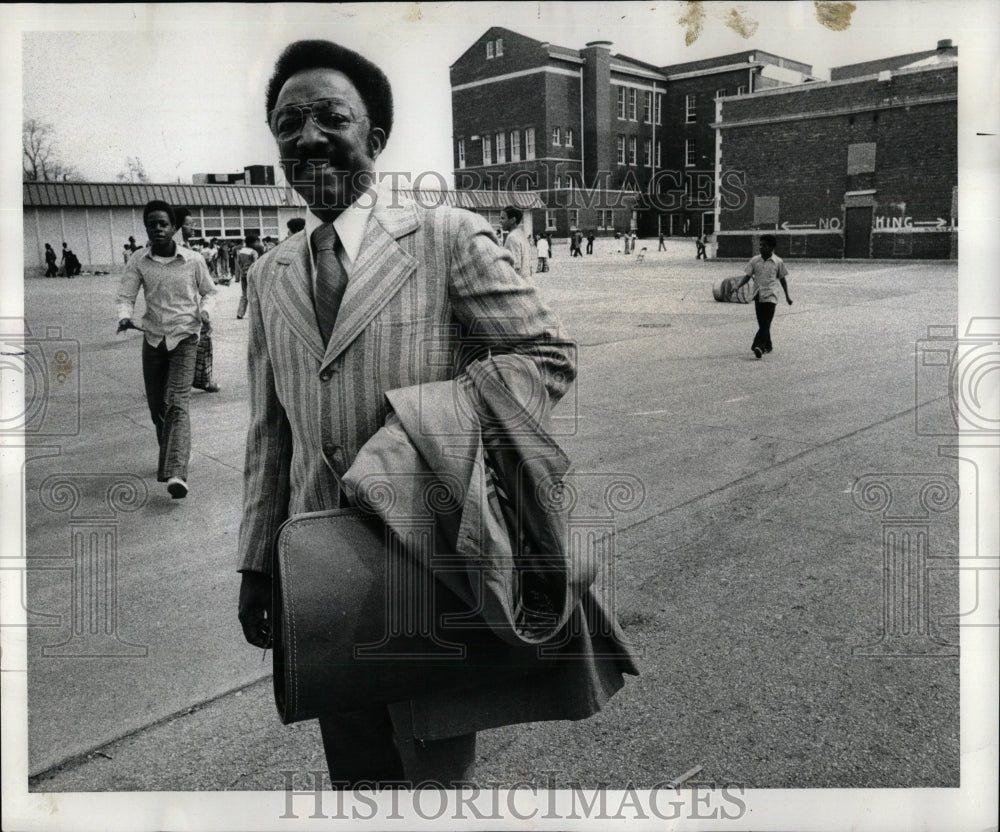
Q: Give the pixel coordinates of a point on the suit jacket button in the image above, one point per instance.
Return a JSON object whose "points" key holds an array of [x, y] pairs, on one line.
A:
{"points": [[326, 375]]}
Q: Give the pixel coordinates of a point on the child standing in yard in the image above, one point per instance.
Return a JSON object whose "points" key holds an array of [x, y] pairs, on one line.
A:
{"points": [[767, 270]]}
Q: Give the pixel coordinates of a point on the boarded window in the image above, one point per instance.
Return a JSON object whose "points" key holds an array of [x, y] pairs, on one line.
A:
{"points": [[765, 210], [861, 158]]}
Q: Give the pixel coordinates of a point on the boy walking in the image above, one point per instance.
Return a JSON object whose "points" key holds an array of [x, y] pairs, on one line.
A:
{"points": [[179, 294], [767, 270]]}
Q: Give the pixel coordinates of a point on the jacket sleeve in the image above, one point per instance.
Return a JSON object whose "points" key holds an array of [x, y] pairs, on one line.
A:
{"points": [[499, 311], [266, 489]]}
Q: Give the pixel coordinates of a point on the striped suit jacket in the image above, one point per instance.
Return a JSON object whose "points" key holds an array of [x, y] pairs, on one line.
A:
{"points": [[431, 290]]}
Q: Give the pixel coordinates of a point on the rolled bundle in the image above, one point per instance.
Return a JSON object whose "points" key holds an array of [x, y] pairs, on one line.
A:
{"points": [[725, 291]]}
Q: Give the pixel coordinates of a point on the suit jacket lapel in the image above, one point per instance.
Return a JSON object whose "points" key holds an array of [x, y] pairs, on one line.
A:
{"points": [[292, 292], [380, 270]]}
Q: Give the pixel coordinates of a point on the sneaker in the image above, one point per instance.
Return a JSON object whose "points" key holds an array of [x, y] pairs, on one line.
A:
{"points": [[757, 352], [177, 487], [213, 388]]}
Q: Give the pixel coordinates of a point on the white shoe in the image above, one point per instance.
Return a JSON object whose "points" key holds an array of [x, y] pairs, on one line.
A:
{"points": [[177, 487]]}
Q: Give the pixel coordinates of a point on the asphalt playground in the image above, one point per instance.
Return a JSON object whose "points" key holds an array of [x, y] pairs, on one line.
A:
{"points": [[747, 575]]}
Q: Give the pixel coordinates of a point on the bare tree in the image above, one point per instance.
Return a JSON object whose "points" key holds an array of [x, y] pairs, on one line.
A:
{"points": [[40, 154], [134, 171]]}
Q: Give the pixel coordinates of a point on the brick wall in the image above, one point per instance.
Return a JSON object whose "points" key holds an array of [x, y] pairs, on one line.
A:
{"points": [[804, 163], [519, 53]]}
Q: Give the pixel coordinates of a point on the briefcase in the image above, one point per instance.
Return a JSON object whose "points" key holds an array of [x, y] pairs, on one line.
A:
{"points": [[359, 622]]}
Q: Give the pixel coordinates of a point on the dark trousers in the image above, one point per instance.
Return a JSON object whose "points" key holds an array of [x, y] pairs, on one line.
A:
{"points": [[241, 310], [765, 314], [377, 745], [701, 252], [168, 375], [590, 246], [50, 269]]}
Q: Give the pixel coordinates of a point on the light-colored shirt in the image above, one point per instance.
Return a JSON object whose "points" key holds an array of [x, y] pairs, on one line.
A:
{"points": [[245, 258], [176, 290], [517, 244], [767, 275], [543, 248], [350, 227]]}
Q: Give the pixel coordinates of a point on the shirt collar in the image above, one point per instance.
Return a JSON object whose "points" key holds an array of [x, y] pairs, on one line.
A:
{"points": [[183, 252], [349, 225]]}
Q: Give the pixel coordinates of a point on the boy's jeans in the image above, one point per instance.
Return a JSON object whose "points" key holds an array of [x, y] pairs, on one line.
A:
{"points": [[765, 314], [168, 376]]}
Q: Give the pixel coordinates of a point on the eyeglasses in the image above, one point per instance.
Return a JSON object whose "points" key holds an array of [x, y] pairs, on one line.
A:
{"points": [[328, 115]]}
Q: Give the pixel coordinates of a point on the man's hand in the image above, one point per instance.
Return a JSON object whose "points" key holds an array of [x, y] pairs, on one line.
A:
{"points": [[123, 324], [255, 608], [789, 300], [204, 316]]}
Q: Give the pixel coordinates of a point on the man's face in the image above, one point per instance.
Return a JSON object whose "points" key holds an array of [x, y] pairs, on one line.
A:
{"points": [[188, 229], [507, 223], [159, 228], [323, 164], [765, 249]]}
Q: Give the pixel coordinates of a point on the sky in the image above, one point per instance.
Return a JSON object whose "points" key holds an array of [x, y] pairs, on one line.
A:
{"points": [[181, 85]]}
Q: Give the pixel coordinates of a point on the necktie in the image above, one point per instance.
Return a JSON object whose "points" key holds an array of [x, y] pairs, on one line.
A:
{"points": [[331, 279]]}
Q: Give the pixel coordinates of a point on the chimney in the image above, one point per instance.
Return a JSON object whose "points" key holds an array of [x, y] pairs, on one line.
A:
{"points": [[944, 45]]}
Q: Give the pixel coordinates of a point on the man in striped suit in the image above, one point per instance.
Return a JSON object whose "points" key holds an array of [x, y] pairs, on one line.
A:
{"points": [[375, 294]]}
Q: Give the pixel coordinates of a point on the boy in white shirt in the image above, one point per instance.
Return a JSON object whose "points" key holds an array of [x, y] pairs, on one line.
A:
{"points": [[767, 270]]}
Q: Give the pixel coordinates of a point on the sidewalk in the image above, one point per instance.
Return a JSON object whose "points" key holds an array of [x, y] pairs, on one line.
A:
{"points": [[745, 576]]}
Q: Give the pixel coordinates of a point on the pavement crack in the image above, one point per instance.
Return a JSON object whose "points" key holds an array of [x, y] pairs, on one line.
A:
{"points": [[777, 465], [83, 757]]}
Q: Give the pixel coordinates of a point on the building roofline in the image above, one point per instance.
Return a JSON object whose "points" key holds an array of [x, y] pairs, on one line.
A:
{"points": [[490, 29], [738, 57], [794, 88]]}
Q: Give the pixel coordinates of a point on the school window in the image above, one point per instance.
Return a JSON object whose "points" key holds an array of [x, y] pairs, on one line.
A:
{"points": [[501, 149], [487, 151], [556, 137], [631, 149], [621, 103], [529, 143], [210, 222], [461, 153], [489, 50], [558, 183], [659, 109], [569, 137], [268, 224], [605, 219], [631, 105], [499, 47], [741, 89], [515, 145], [647, 153], [573, 217], [621, 150], [232, 222], [720, 93], [690, 108], [647, 108], [690, 153], [550, 220]]}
